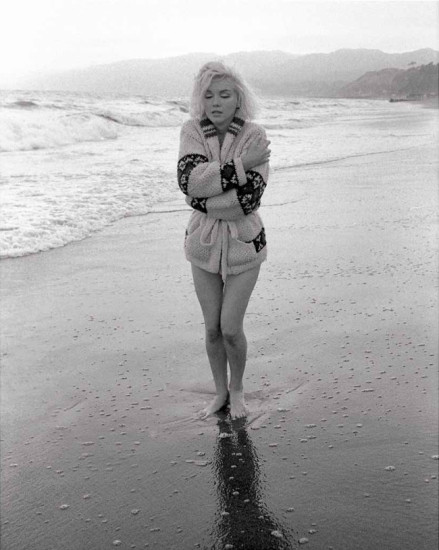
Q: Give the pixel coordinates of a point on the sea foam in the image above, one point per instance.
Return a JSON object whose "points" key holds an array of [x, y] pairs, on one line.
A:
{"points": [[42, 130], [24, 125]]}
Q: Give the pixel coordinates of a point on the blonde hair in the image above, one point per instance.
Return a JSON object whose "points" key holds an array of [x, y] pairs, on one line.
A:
{"points": [[247, 103]]}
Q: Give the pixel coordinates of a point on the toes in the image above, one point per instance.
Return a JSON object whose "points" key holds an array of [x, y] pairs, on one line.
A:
{"points": [[239, 413]]}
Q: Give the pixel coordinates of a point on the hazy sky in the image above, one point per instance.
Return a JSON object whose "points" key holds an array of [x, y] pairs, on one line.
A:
{"points": [[40, 35]]}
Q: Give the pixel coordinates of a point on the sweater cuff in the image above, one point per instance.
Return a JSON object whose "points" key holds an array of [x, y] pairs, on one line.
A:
{"points": [[240, 172]]}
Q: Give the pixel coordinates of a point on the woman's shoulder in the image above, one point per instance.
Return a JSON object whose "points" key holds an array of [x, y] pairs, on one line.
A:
{"points": [[254, 129], [191, 125]]}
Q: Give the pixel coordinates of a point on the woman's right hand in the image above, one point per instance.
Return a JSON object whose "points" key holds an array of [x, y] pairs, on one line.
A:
{"points": [[257, 153]]}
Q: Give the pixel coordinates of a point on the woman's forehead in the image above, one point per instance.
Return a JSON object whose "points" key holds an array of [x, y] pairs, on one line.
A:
{"points": [[223, 84]]}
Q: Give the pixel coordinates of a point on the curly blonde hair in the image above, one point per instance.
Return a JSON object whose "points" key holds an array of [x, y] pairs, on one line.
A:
{"points": [[247, 103]]}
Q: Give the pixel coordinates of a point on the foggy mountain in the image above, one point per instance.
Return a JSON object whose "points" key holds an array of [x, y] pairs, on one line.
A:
{"points": [[395, 83], [269, 72]]}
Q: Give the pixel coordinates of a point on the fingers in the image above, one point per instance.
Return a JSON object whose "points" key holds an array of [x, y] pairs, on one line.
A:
{"points": [[259, 151], [260, 141], [264, 142]]}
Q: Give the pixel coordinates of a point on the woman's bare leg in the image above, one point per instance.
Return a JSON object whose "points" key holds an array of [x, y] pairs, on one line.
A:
{"points": [[209, 288], [237, 292]]}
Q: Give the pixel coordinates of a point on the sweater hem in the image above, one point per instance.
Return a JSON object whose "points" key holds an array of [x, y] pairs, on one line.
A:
{"points": [[231, 270]]}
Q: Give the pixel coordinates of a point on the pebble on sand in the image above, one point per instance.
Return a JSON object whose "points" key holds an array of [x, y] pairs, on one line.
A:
{"points": [[390, 468], [303, 540], [277, 534], [64, 506]]}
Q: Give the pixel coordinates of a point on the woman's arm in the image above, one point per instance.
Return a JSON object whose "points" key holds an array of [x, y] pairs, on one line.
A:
{"points": [[243, 199], [199, 178]]}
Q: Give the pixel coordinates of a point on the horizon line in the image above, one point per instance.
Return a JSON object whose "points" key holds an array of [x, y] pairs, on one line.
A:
{"points": [[28, 74]]}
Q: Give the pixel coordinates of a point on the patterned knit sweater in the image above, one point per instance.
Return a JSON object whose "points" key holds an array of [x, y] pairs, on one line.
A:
{"points": [[225, 233]]}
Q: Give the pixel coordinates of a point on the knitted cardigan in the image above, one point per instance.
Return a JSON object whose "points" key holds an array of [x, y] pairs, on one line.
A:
{"points": [[225, 233]]}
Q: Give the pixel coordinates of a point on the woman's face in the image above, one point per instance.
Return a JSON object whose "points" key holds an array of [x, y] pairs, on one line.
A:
{"points": [[221, 102]]}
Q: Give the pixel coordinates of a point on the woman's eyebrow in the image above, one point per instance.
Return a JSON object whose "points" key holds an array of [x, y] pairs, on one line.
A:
{"points": [[220, 91]]}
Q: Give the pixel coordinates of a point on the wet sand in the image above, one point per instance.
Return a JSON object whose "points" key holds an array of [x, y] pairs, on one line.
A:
{"points": [[103, 368]]}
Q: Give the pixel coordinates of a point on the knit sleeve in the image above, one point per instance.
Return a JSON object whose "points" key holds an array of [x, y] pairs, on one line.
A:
{"points": [[237, 202], [242, 200], [199, 178]]}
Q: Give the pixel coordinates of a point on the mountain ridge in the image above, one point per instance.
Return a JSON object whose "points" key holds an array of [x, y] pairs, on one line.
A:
{"points": [[394, 83], [269, 72]]}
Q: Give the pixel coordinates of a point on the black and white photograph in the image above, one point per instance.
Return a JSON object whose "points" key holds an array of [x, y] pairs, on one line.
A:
{"points": [[219, 310]]}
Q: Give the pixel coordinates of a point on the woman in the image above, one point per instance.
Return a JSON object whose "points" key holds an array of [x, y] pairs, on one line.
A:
{"points": [[222, 170]]}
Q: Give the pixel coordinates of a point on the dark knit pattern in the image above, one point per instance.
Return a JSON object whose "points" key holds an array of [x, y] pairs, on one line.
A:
{"points": [[208, 128], [250, 194], [185, 167], [229, 177], [199, 204], [210, 131], [260, 241], [236, 125]]}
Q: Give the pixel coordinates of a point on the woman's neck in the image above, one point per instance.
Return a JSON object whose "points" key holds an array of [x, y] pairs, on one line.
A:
{"points": [[222, 128]]}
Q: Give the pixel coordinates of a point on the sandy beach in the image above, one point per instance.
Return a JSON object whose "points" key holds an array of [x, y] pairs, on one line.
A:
{"points": [[104, 368]]}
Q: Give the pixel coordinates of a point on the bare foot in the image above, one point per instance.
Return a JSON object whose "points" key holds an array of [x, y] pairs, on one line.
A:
{"points": [[218, 403], [237, 404]]}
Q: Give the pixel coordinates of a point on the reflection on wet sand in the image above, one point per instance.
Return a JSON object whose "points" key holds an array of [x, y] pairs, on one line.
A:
{"points": [[244, 520]]}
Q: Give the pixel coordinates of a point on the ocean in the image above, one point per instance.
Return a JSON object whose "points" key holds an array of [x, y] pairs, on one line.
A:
{"points": [[73, 163]]}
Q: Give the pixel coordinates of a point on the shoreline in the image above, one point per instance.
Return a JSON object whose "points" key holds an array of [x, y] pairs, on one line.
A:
{"points": [[104, 367]]}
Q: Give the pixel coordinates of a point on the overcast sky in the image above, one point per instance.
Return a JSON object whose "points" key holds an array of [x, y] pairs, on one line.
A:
{"points": [[40, 35]]}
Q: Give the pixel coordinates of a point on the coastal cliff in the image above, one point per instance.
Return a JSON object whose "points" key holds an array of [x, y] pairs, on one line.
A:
{"points": [[412, 83]]}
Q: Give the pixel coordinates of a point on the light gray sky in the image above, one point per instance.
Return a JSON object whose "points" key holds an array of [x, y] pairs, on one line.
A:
{"points": [[45, 35]]}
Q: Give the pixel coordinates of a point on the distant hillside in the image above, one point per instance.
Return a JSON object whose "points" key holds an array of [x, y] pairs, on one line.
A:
{"points": [[323, 75], [395, 83], [269, 72]]}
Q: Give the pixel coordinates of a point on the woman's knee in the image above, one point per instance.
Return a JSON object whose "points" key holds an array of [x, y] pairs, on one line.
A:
{"points": [[213, 334], [231, 332]]}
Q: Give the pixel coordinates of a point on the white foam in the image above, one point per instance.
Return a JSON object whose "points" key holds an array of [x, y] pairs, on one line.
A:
{"points": [[151, 119], [23, 131], [35, 120]]}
